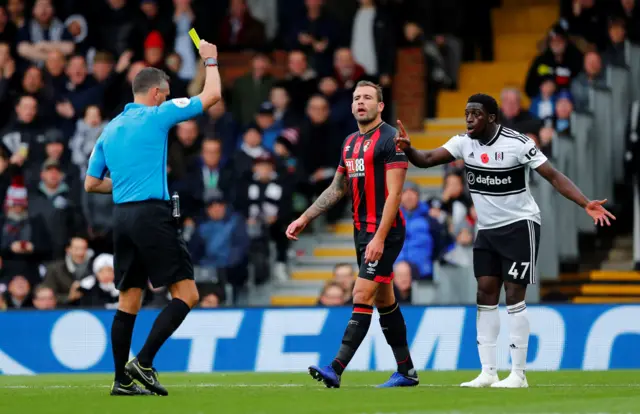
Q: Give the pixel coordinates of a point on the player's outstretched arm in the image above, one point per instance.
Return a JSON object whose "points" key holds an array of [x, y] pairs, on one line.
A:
{"points": [[324, 202], [422, 159], [569, 190]]}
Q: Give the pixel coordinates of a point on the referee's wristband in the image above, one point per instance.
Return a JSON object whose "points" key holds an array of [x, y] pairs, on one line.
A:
{"points": [[211, 62]]}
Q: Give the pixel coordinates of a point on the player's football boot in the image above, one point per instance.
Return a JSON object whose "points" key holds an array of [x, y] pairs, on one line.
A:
{"points": [[512, 381], [481, 381], [399, 380], [148, 377], [326, 374], [131, 389]]}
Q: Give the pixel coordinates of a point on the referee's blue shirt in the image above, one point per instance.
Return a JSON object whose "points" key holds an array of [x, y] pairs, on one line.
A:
{"points": [[133, 148]]}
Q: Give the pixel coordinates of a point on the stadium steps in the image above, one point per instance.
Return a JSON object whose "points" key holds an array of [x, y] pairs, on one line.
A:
{"points": [[598, 286]]}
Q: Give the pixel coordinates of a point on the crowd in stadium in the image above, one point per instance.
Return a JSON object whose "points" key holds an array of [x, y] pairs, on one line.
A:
{"points": [[245, 168]]}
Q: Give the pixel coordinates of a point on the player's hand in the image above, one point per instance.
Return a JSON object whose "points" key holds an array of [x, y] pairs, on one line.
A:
{"points": [[374, 250], [599, 214], [402, 139], [208, 50], [296, 228]]}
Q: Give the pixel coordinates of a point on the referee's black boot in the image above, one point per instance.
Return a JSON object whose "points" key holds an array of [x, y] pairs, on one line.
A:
{"points": [[131, 389], [146, 376]]}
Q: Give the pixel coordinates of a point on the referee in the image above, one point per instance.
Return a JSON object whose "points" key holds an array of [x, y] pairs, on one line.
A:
{"points": [[133, 148]]}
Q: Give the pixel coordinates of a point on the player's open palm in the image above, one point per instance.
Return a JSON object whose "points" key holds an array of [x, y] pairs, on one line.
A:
{"points": [[402, 139], [296, 228], [599, 214]]}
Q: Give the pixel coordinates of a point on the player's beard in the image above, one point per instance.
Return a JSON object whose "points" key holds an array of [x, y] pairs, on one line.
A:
{"points": [[369, 118]]}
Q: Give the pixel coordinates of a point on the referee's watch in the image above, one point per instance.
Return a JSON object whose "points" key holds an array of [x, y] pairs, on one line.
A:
{"points": [[211, 62]]}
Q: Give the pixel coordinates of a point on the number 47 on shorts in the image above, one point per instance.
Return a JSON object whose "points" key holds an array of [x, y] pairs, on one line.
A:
{"points": [[514, 269]]}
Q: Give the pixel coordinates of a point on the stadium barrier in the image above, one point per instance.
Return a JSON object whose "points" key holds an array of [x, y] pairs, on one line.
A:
{"points": [[589, 337]]}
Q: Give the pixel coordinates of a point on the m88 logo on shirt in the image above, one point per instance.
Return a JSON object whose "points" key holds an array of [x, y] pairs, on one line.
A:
{"points": [[355, 167]]}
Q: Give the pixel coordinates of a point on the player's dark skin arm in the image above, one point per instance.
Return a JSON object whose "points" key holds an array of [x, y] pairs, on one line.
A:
{"points": [[328, 198], [426, 159], [569, 190]]}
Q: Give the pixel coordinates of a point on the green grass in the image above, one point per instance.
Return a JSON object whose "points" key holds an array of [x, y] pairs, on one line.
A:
{"points": [[250, 393]]}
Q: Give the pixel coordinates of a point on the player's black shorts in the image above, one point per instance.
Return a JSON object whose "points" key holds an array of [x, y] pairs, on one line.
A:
{"points": [[382, 270], [509, 252], [147, 246]]}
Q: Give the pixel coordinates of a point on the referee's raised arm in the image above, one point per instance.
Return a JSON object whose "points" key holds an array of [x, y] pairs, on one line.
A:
{"points": [[212, 91]]}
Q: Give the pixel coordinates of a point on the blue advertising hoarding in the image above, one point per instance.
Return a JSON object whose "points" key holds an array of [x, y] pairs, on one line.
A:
{"points": [[590, 337]]}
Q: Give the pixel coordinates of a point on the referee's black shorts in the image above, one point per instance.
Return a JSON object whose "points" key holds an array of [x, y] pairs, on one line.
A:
{"points": [[147, 246]]}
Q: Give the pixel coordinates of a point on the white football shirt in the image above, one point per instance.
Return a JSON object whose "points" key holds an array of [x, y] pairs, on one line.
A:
{"points": [[497, 174]]}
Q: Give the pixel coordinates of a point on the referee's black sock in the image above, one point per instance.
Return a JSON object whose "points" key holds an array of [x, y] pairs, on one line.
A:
{"points": [[357, 329], [395, 330], [165, 324], [121, 332]]}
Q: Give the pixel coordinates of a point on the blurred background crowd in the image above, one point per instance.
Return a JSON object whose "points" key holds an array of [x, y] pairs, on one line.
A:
{"points": [[260, 156]]}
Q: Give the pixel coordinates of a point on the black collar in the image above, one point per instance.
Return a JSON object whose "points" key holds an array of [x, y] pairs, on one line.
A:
{"points": [[494, 139]]}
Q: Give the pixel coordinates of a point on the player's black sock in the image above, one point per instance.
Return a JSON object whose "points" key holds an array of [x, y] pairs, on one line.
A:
{"points": [[165, 324], [121, 332], [395, 330], [357, 329]]}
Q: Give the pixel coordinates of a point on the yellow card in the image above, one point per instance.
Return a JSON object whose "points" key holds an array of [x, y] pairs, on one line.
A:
{"points": [[195, 38]]}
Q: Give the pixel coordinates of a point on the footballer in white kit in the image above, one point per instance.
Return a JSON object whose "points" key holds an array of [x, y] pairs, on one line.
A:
{"points": [[498, 162]]}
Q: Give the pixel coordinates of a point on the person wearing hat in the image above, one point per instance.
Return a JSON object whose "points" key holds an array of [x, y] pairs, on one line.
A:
{"points": [[55, 202], [265, 120], [98, 290], [24, 240], [221, 241], [561, 59]]}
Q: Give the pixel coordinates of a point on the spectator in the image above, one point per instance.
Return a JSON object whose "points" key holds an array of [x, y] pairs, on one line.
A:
{"points": [[33, 85], [250, 149], [265, 120], [462, 227], [340, 106], [98, 289], [148, 20], [88, 130], [156, 297], [18, 294], [285, 148], [42, 34], [560, 59], [221, 242], [333, 294], [419, 245], [564, 108], [115, 24], [24, 129], [55, 78], [16, 12], [279, 97], [266, 203], [184, 18], [373, 42], [477, 31], [512, 115], [154, 47], [64, 275], [78, 28], [265, 11], [211, 296], [587, 20], [53, 200], [629, 10], [316, 34], [402, 282], [301, 82], [240, 30], [591, 76], [250, 90], [616, 51], [98, 211], [344, 274], [207, 176], [44, 298], [220, 124], [185, 149], [321, 148], [347, 72], [543, 105], [7, 78], [25, 241]]}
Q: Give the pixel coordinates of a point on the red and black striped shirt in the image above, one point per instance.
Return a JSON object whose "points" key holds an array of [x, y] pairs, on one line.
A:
{"points": [[365, 159]]}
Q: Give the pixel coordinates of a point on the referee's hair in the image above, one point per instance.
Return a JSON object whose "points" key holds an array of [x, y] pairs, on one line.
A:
{"points": [[488, 102], [148, 78]]}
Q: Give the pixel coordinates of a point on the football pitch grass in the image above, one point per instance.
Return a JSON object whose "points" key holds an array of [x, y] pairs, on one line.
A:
{"points": [[252, 393]]}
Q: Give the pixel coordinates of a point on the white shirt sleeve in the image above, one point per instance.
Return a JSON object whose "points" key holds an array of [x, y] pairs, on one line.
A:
{"points": [[530, 155], [454, 146]]}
